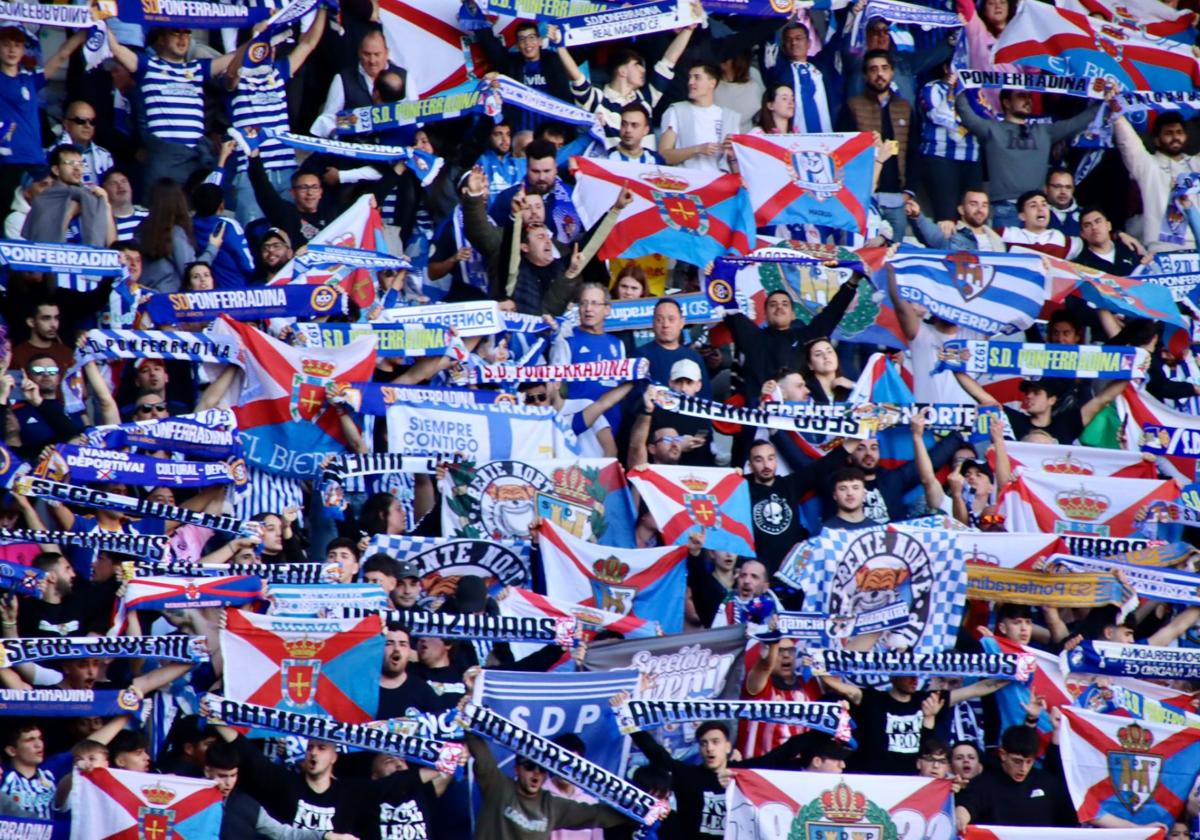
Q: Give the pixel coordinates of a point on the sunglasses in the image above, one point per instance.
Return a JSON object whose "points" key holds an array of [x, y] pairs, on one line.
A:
{"points": [[670, 439], [81, 120], [992, 519], [537, 398], [147, 408], [526, 764], [44, 370]]}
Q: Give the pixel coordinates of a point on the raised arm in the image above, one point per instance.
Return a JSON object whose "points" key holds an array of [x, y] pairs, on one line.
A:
{"points": [[54, 62], [1093, 406], [906, 313], [124, 56], [924, 464], [308, 41]]}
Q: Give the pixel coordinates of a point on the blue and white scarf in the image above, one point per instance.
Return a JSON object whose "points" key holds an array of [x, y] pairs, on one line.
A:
{"points": [[257, 304], [212, 433], [1149, 662]]}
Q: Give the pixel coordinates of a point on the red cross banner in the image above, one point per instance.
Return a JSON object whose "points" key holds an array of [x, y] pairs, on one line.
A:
{"points": [[279, 399], [691, 215], [813, 179], [713, 500], [110, 804], [310, 665]]}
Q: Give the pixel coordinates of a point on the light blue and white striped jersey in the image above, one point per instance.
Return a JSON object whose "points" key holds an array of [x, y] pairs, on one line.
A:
{"points": [[32, 795], [260, 99], [173, 98], [647, 156], [942, 133]]}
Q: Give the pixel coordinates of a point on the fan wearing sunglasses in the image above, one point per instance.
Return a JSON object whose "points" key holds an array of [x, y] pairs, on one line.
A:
{"points": [[40, 415], [79, 125]]}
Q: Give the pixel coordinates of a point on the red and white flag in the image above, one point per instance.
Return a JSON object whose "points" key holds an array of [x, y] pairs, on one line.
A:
{"points": [[1135, 770], [361, 227], [711, 500], [1137, 409], [1083, 462], [1149, 17], [425, 40], [783, 804], [807, 178], [278, 397], [646, 582], [693, 215], [521, 603], [110, 804], [325, 666], [1023, 832], [998, 548], [1066, 504]]}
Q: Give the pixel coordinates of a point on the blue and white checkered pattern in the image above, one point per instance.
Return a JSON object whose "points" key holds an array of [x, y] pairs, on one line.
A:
{"points": [[813, 565]]}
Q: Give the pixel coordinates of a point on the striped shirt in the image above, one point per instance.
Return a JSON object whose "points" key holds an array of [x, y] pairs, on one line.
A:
{"points": [[942, 133], [173, 98], [607, 103], [32, 795], [646, 156], [268, 493], [260, 100], [126, 225]]}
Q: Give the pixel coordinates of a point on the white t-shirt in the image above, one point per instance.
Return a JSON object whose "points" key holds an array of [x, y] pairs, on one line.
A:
{"points": [[930, 387], [694, 125]]}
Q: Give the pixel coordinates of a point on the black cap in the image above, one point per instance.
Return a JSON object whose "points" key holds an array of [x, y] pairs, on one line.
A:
{"points": [[407, 569], [981, 466], [471, 594]]}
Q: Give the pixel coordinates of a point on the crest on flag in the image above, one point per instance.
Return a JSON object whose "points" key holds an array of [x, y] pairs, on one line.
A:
{"points": [[971, 277], [156, 821], [818, 173], [703, 507], [714, 500], [1140, 771], [1133, 770], [609, 595], [782, 805], [500, 499], [682, 212], [299, 674], [841, 810], [645, 583], [308, 388], [313, 665]]}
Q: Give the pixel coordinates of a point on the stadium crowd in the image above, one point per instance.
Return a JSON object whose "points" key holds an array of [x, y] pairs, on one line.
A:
{"points": [[158, 145]]}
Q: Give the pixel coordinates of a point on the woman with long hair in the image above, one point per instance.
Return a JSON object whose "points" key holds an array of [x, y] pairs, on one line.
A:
{"points": [[740, 87], [823, 373], [630, 283], [168, 241], [778, 109]]}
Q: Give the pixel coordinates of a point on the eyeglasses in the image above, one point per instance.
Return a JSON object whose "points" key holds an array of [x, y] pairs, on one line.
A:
{"points": [[527, 37], [44, 370], [147, 408], [81, 120], [537, 398]]}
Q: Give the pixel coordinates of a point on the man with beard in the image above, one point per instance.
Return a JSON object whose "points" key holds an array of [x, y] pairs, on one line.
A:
{"points": [[886, 488], [773, 505], [751, 584], [274, 251], [1155, 174], [541, 178], [400, 691], [972, 232]]}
